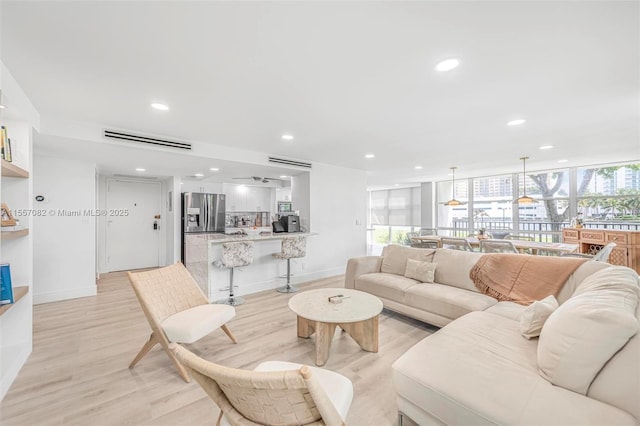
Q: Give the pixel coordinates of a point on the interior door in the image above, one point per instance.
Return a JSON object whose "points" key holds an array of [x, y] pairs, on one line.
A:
{"points": [[133, 241]]}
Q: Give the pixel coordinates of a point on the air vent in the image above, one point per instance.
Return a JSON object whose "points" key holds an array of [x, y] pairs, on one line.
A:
{"points": [[289, 162], [114, 134], [135, 177]]}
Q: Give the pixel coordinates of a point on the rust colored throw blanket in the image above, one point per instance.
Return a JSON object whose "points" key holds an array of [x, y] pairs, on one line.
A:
{"points": [[522, 278]]}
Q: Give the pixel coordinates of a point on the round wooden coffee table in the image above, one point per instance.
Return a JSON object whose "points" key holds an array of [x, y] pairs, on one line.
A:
{"points": [[357, 314]]}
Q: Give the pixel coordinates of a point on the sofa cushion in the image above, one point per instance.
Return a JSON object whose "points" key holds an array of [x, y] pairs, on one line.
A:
{"points": [[535, 315], [394, 258], [454, 266], [618, 383], [424, 272], [587, 330], [447, 301], [479, 370], [509, 310], [388, 286], [585, 270]]}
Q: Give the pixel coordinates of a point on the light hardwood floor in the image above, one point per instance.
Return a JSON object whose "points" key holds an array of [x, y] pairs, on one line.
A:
{"points": [[78, 375]]}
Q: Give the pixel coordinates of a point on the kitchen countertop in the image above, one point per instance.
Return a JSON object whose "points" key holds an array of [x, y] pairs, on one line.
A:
{"points": [[224, 238]]}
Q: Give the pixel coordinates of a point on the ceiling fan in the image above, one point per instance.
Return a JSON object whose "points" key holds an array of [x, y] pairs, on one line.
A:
{"points": [[258, 178]]}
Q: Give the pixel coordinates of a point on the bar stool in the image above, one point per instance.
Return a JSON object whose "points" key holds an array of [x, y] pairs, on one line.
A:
{"points": [[234, 255], [292, 248]]}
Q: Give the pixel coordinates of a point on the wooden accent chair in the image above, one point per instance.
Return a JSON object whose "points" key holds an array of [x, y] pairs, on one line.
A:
{"points": [[275, 393], [177, 310]]}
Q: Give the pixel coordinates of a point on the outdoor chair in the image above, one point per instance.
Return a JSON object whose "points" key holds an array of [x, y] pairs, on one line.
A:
{"points": [[497, 246], [275, 393], [177, 310], [455, 243], [427, 231], [601, 256]]}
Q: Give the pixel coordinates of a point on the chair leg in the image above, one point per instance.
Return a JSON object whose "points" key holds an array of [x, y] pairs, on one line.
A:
{"points": [[145, 349], [154, 340], [181, 370], [287, 288], [232, 299], [229, 333]]}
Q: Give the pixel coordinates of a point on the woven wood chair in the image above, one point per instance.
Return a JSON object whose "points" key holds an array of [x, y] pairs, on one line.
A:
{"points": [[497, 246], [455, 243], [275, 393], [177, 310]]}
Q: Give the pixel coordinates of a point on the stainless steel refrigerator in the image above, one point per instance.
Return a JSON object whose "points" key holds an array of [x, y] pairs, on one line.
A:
{"points": [[201, 213]]}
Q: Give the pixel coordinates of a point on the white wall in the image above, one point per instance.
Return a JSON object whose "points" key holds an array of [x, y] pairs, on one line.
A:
{"points": [[338, 214], [63, 245]]}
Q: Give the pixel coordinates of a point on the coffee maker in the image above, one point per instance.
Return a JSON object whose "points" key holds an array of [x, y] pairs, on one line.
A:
{"points": [[290, 223]]}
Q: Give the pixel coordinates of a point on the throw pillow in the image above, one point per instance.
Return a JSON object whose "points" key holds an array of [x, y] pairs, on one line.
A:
{"points": [[535, 315], [394, 258], [582, 335], [421, 271]]}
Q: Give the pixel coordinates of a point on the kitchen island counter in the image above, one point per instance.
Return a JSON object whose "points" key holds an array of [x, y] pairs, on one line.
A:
{"points": [[264, 273]]}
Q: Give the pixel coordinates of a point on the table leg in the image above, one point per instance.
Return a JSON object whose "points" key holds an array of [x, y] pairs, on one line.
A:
{"points": [[365, 333], [305, 327], [324, 336]]}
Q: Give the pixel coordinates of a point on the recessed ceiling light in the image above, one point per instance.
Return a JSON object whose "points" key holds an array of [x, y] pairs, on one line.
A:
{"points": [[140, 169], [396, 184], [369, 156], [283, 176], [160, 107], [516, 122], [418, 167], [214, 169], [2, 106], [287, 137], [447, 65], [198, 175], [563, 161], [543, 147]]}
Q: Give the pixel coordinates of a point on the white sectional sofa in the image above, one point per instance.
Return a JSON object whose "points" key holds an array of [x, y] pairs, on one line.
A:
{"points": [[478, 369], [451, 296]]}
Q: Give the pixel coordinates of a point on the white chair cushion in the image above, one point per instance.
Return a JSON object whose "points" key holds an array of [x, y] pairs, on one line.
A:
{"points": [[587, 330], [194, 323], [338, 388], [535, 315]]}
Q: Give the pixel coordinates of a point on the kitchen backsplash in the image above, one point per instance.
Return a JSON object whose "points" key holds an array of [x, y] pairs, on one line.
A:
{"points": [[246, 220]]}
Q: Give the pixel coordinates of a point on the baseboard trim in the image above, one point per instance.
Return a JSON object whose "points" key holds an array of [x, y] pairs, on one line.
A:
{"points": [[55, 296], [243, 290]]}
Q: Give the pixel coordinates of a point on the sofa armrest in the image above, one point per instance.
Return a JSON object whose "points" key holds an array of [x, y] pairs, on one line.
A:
{"points": [[357, 266]]}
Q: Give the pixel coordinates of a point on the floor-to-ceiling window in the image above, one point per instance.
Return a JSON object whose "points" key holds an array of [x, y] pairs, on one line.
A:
{"points": [[609, 197], [606, 196], [392, 213]]}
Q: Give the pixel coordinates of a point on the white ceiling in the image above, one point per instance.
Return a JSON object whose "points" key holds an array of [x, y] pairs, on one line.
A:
{"points": [[345, 78]]}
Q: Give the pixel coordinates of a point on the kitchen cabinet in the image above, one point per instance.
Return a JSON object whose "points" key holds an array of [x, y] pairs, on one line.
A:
{"points": [[240, 198]]}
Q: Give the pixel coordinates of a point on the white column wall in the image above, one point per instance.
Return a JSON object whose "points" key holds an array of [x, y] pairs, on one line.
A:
{"points": [[338, 210]]}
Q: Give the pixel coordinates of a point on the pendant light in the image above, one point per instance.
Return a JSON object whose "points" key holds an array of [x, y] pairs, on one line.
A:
{"points": [[453, 201], [524, 199]]}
